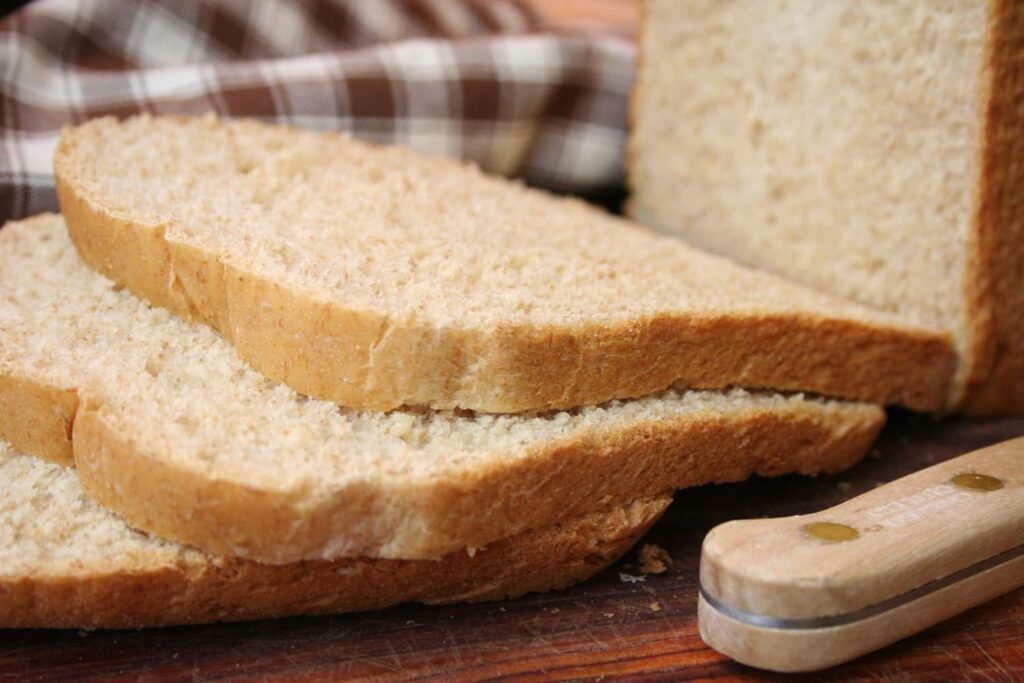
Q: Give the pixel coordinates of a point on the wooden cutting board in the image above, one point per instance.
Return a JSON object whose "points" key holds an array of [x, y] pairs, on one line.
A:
{"points": [[607, 627]]}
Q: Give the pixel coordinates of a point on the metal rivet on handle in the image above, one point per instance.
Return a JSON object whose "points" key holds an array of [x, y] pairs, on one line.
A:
{"points": [[976, 482], [830, 532]]}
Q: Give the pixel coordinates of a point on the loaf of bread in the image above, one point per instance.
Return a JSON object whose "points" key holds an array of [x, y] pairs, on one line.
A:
{"points": [[378, 278], [67, 562], [868, 149], [169, 428]]}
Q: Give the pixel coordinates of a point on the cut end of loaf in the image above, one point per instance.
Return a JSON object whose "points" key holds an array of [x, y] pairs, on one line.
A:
{"points": [[772, 133]]}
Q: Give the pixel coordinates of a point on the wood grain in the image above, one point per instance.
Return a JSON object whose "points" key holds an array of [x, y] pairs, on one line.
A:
{"points": [[603, 628], [902, 536], [876, 548]]}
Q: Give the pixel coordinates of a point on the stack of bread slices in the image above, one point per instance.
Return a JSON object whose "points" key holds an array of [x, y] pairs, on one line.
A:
{"points": [[256, 371]]}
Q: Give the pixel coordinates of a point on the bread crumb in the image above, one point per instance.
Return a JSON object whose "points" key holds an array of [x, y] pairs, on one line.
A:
{"points": [[843, 485], [655, 606], [629, 578], [654, 559]]}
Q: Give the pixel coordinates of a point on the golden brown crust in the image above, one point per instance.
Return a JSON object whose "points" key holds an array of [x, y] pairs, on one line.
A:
{"points": [[36, 418], [427, 519], [994, 286], [159, 592], [359, 358]]}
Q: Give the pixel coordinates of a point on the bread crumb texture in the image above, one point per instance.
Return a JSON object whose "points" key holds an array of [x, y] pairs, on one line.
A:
{"points": [[49, 526], [177, 434], [866, 149], [376, 278], [654, 559]]}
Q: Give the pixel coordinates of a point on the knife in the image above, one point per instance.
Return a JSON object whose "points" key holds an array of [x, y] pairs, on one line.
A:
{"points": [[806, 592]]}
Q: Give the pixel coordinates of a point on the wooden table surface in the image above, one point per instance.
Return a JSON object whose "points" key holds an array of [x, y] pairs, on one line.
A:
{"points": [[604, 628]]}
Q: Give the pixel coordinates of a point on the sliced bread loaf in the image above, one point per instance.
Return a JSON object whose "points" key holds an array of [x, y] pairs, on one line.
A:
{"points": [[377, 278], [869, 149], [168, 427], [67, 562]]}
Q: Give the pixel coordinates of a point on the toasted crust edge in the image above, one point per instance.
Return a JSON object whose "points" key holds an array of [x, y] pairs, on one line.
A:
{"points": [[322, 349]]}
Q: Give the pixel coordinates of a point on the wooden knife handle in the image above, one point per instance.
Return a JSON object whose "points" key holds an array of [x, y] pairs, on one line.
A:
{"points": [[804, 592]]}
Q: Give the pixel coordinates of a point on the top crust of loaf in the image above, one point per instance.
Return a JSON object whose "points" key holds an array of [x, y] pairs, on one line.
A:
{"points": [[377, 278], [170, 429]]}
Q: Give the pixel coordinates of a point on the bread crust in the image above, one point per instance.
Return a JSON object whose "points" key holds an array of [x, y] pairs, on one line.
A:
{"points": [[360, 358], [424, 518], [126, 463], [155, 591], [36, 417], [150, 590], [994, 286]]}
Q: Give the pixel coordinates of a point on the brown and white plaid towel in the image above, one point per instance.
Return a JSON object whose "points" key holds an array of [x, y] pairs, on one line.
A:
{"points": [[483, 80]]}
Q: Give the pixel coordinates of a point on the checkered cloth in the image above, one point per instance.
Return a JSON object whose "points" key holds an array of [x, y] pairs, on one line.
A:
{"points": [[484, 80]]}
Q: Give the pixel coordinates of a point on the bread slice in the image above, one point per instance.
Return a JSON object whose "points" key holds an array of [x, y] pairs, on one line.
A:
{"points": [[376, 278], [867, 149], [169, 428], [67, 562]]}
